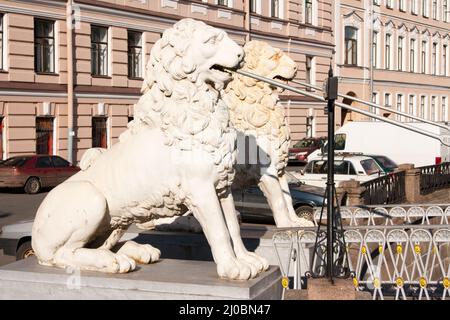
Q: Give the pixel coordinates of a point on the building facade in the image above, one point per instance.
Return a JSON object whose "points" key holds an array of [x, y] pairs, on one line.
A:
{"points": [[71, 71], [394, 53]]}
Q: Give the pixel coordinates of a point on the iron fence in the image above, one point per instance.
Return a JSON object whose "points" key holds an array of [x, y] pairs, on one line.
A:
{"points": [[388, 189], [434, 178], [400, 252]]}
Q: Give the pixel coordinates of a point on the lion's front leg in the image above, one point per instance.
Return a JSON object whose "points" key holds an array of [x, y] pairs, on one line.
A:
{"points": [[205, 206], [298, 221], [257, 263]]}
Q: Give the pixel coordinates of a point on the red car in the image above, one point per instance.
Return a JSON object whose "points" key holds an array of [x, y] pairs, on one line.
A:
{"points": [[302, 149], [35, 172]]}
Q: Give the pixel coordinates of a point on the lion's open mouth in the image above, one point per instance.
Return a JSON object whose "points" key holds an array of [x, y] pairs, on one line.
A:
{"points": [[281, 78], [220, 69]]}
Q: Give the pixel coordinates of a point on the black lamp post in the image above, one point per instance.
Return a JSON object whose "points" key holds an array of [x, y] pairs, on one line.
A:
{"points": [[331, 242]]}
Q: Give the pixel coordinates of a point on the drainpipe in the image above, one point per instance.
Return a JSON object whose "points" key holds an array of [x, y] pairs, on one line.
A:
{"points": [[372, 56], [247, 20], [70, 81]]}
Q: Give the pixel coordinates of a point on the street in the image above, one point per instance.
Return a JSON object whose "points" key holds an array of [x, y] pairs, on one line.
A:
{"points": [[16, 206]]}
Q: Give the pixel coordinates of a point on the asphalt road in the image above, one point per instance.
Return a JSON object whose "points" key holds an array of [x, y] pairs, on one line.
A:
{"points": [[15, 206]]}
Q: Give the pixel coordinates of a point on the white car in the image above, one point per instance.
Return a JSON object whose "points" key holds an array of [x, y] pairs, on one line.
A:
{"points": [[346, 167]]}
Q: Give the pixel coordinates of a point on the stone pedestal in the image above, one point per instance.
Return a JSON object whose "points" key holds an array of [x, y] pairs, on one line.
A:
{"points": [[322, 289], [167, 279]]}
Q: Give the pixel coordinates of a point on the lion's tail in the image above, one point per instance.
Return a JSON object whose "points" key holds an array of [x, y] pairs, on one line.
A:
{"points": [[89, 157]]}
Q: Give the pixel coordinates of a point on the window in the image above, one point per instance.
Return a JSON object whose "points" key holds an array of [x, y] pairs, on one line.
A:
{"points": [[401, 5], [388, 51], [387, 100], [399, 105], [1, 42], [275, 8], [411, 109], [44, 46], [222, 2], [375, 49], [444, 60], [425, 8], [99, 51], [309, 71], [414, 6], [433, 109], [253, 6], [435, 13], [445, 10], [434, 59], [444, 112], [389, 4], [400, 54], [44, 135], [412, 56], [44, 162], [351, 45], [370, 167], [99, 132], [339, 141], [423, 107], [134, 54], [59, 162], [308, 11], [423, 59]]}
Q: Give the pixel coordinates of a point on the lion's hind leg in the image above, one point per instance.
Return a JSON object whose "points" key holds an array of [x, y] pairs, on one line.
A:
{"points": [[73, 216]]}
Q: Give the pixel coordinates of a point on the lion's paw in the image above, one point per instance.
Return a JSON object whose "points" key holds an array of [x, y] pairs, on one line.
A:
{"points": [[141, 253], [297, 222], [257, 263], [234, 269], [123, 264]]}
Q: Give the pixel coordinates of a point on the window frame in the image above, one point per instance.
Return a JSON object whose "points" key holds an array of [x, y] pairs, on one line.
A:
{"points": [[131, 75], [354, 50], [53, 38], [106, 73]]}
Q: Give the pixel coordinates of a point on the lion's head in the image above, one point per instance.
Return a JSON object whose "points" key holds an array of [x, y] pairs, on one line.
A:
{"points": [[183, 82], [194, 51], [254, 104]]}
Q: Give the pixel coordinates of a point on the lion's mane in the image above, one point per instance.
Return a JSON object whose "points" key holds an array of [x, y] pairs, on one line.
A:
{"points": [[187, 111]]}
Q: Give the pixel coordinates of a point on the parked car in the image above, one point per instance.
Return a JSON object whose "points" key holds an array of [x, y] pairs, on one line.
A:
{"points": [[252, 203], [15, 239], [299, 153], [346, 167], [386, 163], [34, 172]]}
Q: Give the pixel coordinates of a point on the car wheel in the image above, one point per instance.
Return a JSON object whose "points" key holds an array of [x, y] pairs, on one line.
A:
{"points": [[24, 251], [32, 186], [305, 212]]}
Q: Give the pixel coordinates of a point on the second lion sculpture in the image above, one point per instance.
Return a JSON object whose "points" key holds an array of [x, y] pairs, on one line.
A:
{"points": [[181, 115]]}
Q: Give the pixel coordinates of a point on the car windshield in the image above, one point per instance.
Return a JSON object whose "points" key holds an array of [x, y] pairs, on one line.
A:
{"points": [[386, 162], [339, 141], [291, 179], [14, 162], [370, 166], [306, 143]]}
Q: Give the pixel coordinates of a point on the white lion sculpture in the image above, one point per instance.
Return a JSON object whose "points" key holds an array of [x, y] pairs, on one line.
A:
{"points": [[177, 155], [258, 117]]}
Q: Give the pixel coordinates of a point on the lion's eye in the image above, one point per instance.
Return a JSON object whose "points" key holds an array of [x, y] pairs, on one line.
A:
{"points": [[211, 40]]}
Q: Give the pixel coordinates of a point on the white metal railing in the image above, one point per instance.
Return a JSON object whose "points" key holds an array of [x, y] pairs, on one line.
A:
{"points": [[398, 252]]}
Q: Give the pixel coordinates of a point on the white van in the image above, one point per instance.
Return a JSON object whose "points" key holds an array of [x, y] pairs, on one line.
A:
{"points": [[401, 145]]}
